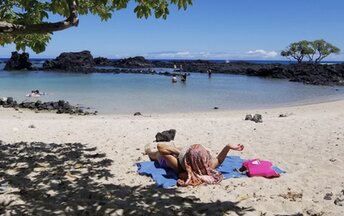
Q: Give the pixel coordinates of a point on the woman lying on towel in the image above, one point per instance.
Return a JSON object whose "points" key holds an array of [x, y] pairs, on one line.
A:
{"points": [[194, 164]]}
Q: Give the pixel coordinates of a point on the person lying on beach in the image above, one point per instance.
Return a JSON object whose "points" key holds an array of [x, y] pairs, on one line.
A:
{"points": [[194, 164]]}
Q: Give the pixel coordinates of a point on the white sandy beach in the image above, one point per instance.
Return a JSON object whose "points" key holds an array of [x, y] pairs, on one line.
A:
{"points": [[308, 144]]}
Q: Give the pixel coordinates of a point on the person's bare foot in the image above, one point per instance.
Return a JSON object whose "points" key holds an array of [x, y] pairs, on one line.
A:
{"points": [[148, 149]]}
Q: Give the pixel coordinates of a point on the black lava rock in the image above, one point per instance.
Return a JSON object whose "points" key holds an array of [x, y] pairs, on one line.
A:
{"points": [[71, 61], [138, 62], [103, 61], [137, 114], [314, 74], [257, 118], [60, 106], [248, 117], [18, 62], [165, 136]]}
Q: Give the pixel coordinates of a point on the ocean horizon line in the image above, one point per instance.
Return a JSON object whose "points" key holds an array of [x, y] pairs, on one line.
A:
{"points": [[196, 59]]}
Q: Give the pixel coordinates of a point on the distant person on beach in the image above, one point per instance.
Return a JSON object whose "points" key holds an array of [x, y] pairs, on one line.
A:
{"points": [[194, 164], [209, 73]]}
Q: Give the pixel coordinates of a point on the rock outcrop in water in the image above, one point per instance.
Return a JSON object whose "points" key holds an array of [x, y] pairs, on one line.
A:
{"points": [[135, 62], [101, 61], [315, 74], [18, 62], [59, 106], [71, 61], [305, 73], [83, 62]]}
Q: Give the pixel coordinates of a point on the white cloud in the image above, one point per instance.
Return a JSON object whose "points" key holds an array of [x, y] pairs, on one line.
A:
{"points": [[263, 53], [249, 55], [177, 55]]}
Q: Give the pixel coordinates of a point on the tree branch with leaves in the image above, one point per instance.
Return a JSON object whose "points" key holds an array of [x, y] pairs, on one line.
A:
{"points": [[323, 49], [26, 22], [298, 50]]}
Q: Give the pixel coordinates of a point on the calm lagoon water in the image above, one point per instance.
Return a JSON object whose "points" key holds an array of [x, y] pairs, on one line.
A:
{"points": [[129, 93]]}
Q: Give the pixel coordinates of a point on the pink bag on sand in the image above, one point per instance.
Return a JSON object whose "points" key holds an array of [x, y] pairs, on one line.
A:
{"points": [[258, 167]]}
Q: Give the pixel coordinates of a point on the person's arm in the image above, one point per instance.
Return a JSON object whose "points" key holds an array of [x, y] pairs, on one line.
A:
{"points": [[222, 155], [165, 149]]}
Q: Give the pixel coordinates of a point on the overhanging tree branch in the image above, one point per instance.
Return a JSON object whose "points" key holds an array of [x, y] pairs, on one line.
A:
{"points": [[23, 22], [43, 28]]}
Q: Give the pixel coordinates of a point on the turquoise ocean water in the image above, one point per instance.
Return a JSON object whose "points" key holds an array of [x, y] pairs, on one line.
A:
{"points": [[129, 93]]}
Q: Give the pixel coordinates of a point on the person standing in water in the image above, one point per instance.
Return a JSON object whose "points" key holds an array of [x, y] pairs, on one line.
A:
{"points": [[183, 77], [174, 78], [209, 73]]}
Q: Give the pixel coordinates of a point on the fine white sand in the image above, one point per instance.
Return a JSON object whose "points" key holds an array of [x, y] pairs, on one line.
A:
{"points": [[308, 144]]}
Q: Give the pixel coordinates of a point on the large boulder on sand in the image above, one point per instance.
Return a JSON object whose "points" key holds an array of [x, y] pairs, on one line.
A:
{"points": [[18, 62], [71, 61], [165, 136]]}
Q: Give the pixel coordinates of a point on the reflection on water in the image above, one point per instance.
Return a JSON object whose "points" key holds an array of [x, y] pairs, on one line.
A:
{"points": [[128, 93]]}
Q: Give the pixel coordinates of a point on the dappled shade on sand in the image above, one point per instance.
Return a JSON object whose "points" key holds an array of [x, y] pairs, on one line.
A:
{"points": [[74, 179]]}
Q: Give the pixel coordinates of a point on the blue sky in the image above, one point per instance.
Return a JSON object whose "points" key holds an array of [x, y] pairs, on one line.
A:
{"points": [[210, 29]]}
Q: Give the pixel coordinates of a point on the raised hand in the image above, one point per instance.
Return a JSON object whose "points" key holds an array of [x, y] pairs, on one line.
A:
{"points": [[236, 147]]}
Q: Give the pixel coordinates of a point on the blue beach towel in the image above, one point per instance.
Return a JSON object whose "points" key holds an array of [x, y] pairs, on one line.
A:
{"points": [[166, 177]]}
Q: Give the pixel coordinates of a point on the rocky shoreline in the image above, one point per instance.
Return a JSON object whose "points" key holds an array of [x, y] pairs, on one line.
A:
{"points": [[59, 107], [83, 62]]}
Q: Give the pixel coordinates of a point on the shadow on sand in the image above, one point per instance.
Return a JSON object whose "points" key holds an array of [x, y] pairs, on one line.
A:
{"points": [[68, 179]]}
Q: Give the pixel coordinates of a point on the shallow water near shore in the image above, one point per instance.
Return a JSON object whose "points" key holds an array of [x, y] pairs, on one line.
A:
{"points": [[129, 93]]}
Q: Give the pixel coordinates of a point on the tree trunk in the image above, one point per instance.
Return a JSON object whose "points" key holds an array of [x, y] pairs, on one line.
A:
{"points": [[43, 28]]}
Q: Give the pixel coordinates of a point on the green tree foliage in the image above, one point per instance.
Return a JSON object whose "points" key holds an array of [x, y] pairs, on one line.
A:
{"points": [[298, 50], [322, 49], [314, 51], [26, 22]]}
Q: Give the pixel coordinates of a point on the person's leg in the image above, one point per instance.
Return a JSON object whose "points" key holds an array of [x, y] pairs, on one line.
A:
{"points": [[170, 155], [171, 162], [165, 149]]}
